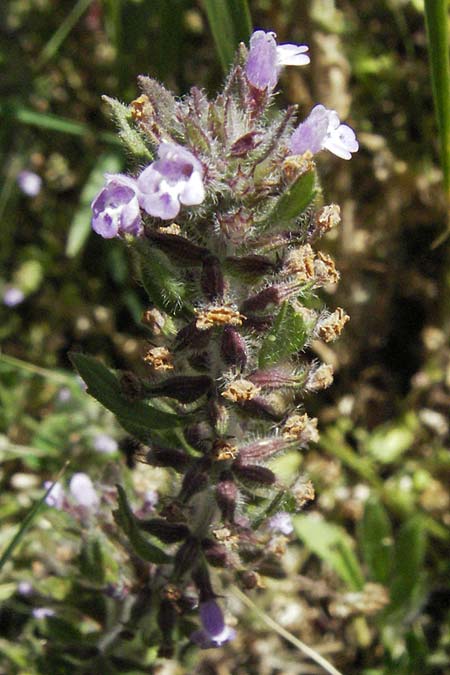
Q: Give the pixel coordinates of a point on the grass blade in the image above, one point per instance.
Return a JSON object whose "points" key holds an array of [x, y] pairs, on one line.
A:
{"points": [[230, 24], [27, 522], [437, 22], [58, 37]]}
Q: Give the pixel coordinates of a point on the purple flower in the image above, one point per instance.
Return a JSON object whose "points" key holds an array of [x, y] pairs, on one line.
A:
{"points": [[105, 444], [42, 612], [56, 496], [13, 296], [175, 178], [322, 130], [83, 491], [266, 59], [29, 182], [116, 208], [281, 522], [214, 632]]}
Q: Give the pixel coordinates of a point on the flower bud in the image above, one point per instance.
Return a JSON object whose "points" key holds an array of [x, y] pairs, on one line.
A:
{"points": [[215, 553], [177, 248], [195, 480], [253, 473], [245, 144], [250, 265], [277, 378], [250, 580], [219, 417], [212, 281], [186, 557], [226, 497], [262, 449], [233, 347], [192, 337], [169, 457], [163, 530], [183, 388]]}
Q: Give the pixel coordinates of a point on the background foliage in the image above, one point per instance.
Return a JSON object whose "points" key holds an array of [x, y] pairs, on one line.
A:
{"points": [[381, 468]]}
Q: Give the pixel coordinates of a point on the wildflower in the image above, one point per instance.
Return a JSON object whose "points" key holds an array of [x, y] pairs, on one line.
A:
{"points": [[105, 444], [175, 178], [42, 612], [56, 496], [83, 491], [29, 182], [13, 296], [322, 130], [266, 59], [214, 632], [281, 522], [116, 208]]}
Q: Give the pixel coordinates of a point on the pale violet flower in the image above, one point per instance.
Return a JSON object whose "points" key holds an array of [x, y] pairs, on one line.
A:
{"points": [[105, 444], [266, 59], [214, 632], [83, 491], [115, 210], [322, 130], [29, 182], [42, 612], [56, 496], [281, 522], [174, 179], [13, 296]]}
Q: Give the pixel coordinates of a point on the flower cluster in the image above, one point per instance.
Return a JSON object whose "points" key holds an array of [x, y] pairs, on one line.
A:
{"points": [[231, 287]]}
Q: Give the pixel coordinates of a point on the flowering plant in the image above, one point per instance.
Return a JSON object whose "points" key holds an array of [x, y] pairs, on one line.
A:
{"points": [[232, 308]]}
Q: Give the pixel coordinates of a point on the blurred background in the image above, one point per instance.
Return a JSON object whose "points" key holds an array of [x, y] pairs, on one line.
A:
{"points": [[367, 572]]}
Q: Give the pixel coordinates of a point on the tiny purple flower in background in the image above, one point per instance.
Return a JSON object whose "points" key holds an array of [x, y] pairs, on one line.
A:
{"points": [[83, 491], [42, 612], [29, 182], [214, 632], [175, 178], [281, 522], [105, 444], [56, 496], [322, 130], [64, 395], [115, 210], [24, 588], [266, 59], [13, 296]]}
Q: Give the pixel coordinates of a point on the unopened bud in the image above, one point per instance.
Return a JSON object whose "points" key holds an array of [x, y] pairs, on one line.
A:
{"points": [[277, 378], [163, 530], [183, 388], [250, 580], [250, 265], [245, 144], [253, 473], [233, 348], [167, 617], [170, 457], [226, 497], [191, 337], [211, 280], [186, 557], [215, 553], [195, 480], [263, 449], [131, 386], [218, 416], [177, 248], [201, 578]]}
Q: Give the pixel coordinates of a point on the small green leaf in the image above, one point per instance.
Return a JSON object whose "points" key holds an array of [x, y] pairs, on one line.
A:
{"points": [[92, 564], [437, 23], [388, 442], [408, 562], [287, 336], [331, 543], [230, 24], [160, 279], [375, 536], [80, 227], [295, 199], [136, 417], [126, 520]]}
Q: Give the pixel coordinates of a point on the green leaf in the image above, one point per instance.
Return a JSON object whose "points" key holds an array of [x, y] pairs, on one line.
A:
{"points": [[136, 417], [80, 227], [331, 543], [437, 22], [294, 199], [92, 563], [388, 442], [63, 30], [408, 563], [126, 520], [129, 135], [230, 24], [288, 335], [375, 536], [27, 522]]}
